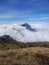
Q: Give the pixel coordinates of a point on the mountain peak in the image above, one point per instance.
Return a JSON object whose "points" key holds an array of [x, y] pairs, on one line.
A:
{"points": [[6, 39], [29, 27], [25, 24]]}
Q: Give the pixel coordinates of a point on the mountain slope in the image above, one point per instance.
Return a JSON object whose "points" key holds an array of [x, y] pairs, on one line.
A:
{"points": [[6, 39], [7, 42]]}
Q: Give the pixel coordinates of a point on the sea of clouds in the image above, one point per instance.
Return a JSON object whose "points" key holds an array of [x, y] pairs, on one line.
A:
{"points": [[20, 33]]}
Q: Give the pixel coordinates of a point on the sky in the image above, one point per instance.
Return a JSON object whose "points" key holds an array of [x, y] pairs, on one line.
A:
{"points": [[24, 10]]}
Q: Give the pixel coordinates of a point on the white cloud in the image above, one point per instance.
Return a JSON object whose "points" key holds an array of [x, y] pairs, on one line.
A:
{"points": [[20, 33]]}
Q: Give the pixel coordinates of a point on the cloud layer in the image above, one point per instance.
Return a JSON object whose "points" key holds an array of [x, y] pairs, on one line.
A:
{"points": [[20, 33]]}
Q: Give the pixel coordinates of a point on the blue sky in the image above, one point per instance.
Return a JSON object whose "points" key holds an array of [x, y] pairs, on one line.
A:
{"points": [[24, 10]]}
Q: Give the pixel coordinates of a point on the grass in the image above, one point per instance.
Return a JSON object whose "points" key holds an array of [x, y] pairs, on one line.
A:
{"points": [[19, 53], [25, 56], [17, 45]]}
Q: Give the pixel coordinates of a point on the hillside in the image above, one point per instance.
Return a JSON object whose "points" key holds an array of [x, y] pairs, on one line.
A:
{"points": [[7, 42], [13, 52], [19, 53], [25, 56]]}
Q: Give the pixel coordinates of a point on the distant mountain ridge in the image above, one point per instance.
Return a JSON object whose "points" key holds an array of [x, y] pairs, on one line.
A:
{"points": [[6, 39], [29, 27]]}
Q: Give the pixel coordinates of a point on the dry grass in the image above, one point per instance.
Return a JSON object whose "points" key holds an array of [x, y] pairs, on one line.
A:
{"points": [[15, 44], [25, 56]]}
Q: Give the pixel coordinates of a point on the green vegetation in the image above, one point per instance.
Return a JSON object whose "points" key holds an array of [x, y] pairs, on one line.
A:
{"points": [[19, 53], [17, 45]]}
